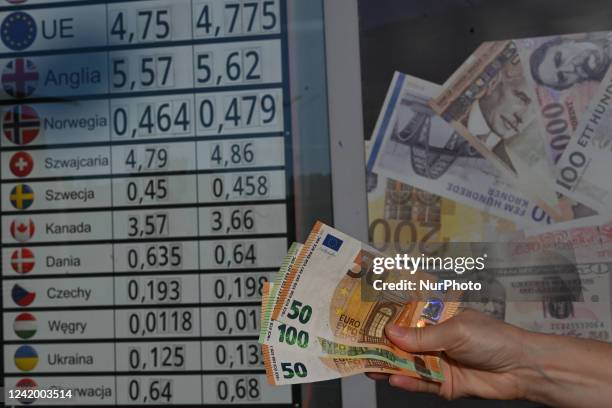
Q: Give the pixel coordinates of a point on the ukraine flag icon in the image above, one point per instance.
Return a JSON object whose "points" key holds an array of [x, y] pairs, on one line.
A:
{"points": [[26, 358]]}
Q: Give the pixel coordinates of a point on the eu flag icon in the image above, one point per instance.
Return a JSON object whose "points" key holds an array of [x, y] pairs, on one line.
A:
{"points": [[18, 31]]}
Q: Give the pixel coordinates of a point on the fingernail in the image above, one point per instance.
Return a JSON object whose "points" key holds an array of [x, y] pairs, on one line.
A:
{"points": [[395, 331], [393, 381]]}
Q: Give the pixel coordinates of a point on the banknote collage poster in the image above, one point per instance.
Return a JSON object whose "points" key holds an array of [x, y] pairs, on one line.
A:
{"points": [[513, 147]]}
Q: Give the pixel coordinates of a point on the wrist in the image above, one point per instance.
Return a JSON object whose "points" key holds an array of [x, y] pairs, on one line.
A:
{"points": [[562, 371], [532, 381]]}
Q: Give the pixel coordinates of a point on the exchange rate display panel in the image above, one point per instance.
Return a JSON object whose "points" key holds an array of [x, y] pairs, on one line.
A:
{"points": [[145, 198]]}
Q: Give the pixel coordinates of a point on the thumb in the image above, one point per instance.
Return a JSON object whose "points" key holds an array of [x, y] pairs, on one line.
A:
{"points": [[421, 339]]}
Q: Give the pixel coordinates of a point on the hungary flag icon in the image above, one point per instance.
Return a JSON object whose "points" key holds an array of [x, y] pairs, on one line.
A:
{"points": [[25, 325]]}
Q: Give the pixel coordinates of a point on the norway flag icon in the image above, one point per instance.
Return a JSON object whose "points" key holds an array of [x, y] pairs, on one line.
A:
{"points": [[21, 124]]}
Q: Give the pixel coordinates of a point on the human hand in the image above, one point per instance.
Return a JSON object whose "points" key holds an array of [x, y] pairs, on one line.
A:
{"points": [[484, 357]]}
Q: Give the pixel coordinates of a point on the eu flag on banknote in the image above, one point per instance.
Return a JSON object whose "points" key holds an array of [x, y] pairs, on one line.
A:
{"points": [[332, 242]]}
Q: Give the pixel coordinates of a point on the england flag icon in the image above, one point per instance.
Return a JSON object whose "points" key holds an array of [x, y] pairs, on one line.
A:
{"points": [[19, 78]]}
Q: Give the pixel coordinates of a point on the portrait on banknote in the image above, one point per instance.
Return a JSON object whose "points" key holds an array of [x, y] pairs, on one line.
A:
{"points": [[563, 61]]}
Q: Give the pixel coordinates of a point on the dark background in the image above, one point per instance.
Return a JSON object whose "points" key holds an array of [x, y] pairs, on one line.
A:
{"points": [[430, 39]]}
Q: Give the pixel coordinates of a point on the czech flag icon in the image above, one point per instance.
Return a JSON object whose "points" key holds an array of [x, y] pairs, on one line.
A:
{"points": [[21, 296]]}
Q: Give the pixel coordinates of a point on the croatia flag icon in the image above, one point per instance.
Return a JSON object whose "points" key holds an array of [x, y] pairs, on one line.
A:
{"points": [[26, 384]]}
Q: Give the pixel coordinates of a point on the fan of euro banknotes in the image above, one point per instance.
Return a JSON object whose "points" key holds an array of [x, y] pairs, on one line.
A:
{"points": [[316, 324], [516, 146]]}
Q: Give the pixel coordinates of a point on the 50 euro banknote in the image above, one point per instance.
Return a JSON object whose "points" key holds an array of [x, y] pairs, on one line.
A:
{"points": [[320, 309]]}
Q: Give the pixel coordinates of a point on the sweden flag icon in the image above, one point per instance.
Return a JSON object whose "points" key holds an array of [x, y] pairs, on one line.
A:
{"points": [[22, 196]]}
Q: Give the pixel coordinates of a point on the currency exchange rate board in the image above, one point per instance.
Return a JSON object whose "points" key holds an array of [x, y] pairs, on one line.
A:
{"points": [[144, 197]]}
